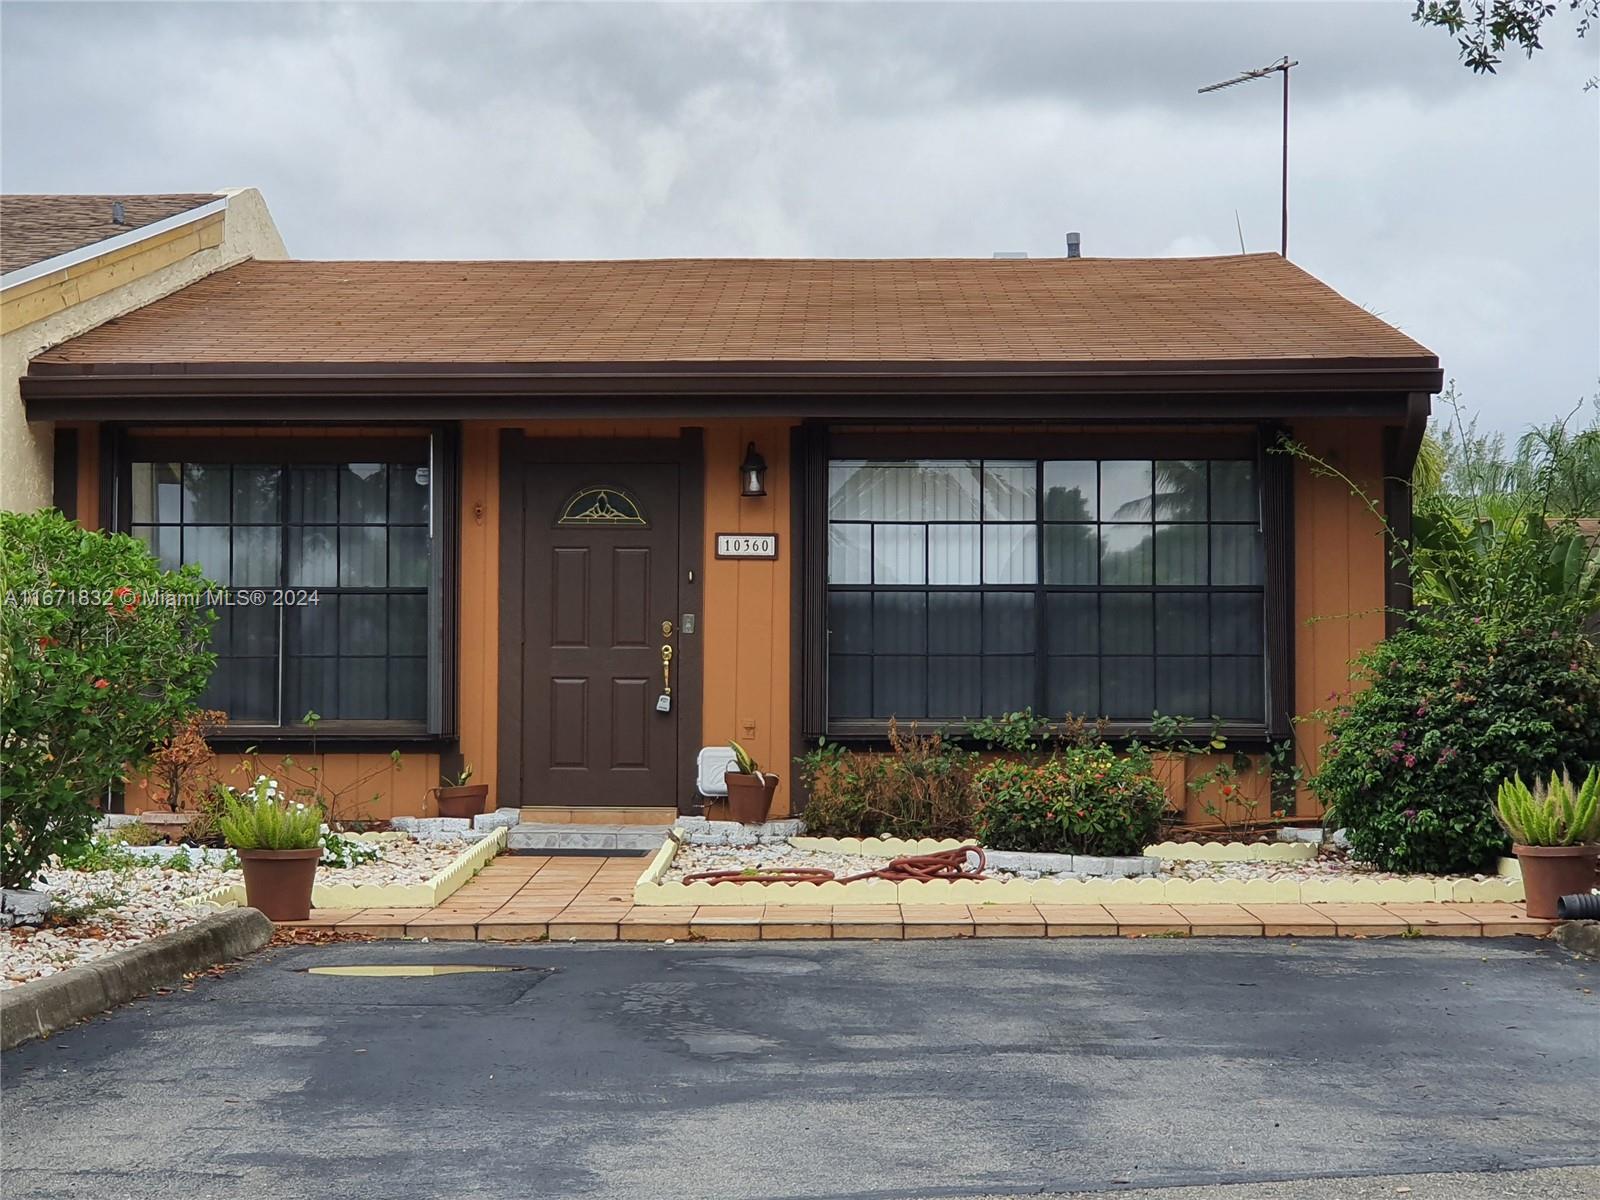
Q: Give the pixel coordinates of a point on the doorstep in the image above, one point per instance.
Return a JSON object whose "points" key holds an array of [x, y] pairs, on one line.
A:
{"points": [[571, 838], [588, 898]]}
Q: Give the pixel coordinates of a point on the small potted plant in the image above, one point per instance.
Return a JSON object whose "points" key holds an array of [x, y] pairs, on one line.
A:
{"points": [[1555, 831], [457, 798], [279, 844], [750, 789]]}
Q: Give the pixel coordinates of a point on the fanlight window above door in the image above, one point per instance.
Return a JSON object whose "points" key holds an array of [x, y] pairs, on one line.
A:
{"points": [[602, 506]]}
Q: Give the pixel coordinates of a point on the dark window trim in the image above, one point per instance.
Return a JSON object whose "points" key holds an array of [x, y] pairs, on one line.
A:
{"points": [[1400, 448], [64, 472], [819, 444], [121, 445]]}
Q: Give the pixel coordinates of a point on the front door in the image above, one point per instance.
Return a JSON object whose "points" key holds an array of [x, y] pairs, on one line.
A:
{"points": [[599, 597]]}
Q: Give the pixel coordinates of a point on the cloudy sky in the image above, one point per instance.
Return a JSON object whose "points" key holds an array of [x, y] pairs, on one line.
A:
{"points": [[1460, 208]]}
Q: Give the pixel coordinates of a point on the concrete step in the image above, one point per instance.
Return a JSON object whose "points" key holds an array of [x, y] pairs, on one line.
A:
{"points": [[557, 814], [560, 837]]}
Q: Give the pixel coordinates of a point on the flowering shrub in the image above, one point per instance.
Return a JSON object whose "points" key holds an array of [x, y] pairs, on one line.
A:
{"points": [[1451, 707], [1083, 799], [921, 788], [101, 655]]}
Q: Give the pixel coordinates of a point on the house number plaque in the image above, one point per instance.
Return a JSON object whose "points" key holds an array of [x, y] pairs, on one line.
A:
{"points": [[747, 545]]}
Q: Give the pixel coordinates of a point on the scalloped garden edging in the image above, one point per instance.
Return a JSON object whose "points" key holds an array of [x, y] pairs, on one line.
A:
{"points": [[650, 890], [429, 894], [1233, 851]]}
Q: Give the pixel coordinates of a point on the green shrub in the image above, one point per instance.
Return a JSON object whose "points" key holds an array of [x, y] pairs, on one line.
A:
{"points": [[1553, 813], [259, 819], [1451, 707], [100, 853], [921, 788], [101, 655], [1083, 799]]}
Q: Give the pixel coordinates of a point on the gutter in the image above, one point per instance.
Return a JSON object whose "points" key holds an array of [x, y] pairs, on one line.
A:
{"points": [[121, 391], [93, 250]]}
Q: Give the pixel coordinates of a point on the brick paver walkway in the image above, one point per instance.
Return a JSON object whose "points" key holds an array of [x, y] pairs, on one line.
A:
{"points": [[528, 898]]}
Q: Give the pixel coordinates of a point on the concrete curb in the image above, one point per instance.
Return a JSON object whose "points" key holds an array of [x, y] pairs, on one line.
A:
{"points": [[1581, 937], [44, 1006]]}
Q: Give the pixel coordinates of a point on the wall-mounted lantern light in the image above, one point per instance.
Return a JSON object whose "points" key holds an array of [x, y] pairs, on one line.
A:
{"points": [[752, 473]]}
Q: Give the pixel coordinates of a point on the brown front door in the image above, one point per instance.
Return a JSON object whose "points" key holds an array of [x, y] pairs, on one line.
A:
{"points": [[599, 598]]}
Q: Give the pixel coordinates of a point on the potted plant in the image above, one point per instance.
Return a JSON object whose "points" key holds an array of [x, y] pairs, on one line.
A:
{"points": [[1555, 831], [457, 798], [750, 789], [279, 844]]}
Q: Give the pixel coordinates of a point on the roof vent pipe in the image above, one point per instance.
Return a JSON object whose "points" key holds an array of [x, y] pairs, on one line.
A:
{"points": [[118, 216], [1074, 246]]}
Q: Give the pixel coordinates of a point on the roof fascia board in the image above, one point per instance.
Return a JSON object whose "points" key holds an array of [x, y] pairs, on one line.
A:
{"points": [[94, 250], [212, 409]]}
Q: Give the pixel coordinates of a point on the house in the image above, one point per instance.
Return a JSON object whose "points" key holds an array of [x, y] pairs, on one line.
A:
{"points": [[572, 521], [70, 263]]}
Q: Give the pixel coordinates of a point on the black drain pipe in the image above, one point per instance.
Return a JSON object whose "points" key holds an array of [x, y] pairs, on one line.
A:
{"points": [[1580, 906]]}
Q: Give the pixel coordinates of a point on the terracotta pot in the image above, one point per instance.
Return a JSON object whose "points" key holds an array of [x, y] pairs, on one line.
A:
{"points": [[716, 809], [750, 796], [278, 882], [466, 801], [1551, 872], [171, 825]]}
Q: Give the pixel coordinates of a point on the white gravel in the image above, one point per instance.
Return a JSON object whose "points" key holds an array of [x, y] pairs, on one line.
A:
{"points": [[1329, 862], [100, 912]]}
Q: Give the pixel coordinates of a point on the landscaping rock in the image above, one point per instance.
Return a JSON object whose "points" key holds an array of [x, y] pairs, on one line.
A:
{"points": [[1128, 866], [23, 906], [500, 818], [116, 821], [404, 824], [1291, 834], [698, 831], [441, 828]]}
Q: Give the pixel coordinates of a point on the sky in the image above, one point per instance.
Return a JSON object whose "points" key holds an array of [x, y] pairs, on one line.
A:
{"points": [[1460, 208]]}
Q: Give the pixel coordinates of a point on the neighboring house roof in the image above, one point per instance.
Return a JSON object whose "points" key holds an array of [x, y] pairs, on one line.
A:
{"points": [[36, 228], [1240, 309]]}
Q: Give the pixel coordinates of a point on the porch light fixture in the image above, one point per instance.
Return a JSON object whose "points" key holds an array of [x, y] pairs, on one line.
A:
{"points": [[752, 473]]}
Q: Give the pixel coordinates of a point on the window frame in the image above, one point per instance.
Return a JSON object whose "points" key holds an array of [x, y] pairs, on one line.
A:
{"points": [[316, 446], [821, 444]]}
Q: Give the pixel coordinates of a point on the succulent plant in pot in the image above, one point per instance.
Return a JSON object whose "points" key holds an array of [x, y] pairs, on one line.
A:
{"points": [[750, 789], [1555, 831], [279, 843], [458, 798]]}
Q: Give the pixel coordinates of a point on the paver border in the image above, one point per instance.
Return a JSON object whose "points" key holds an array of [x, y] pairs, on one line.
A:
{"points": [[429, 894]]}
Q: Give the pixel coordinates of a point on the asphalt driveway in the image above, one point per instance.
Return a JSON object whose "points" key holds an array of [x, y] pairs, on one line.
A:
{"points": [[810, 1070]]}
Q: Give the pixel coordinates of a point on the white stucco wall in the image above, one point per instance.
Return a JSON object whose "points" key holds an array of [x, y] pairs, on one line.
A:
{"points": [[26, 447]]}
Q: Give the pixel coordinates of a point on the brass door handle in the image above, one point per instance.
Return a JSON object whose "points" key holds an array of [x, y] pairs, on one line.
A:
{"points": [[666, 670]]}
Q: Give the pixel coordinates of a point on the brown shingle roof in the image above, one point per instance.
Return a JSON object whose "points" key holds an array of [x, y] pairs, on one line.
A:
{"points": [[1244, 308], [34, 228]]}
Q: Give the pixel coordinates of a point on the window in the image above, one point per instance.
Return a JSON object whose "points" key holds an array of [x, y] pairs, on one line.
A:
{"points": [[959, 588], [332, 569]]}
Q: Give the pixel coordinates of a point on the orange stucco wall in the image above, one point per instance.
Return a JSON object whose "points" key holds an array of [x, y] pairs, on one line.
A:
{"points": [[1340, 562]]}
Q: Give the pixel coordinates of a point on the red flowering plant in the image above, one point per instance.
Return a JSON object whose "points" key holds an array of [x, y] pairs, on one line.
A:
{"points": [[101, 656], [1082, 797], [1447, 708]]}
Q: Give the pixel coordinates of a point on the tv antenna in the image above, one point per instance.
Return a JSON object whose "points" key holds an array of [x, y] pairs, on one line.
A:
{"points": [[1282, 66]]}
